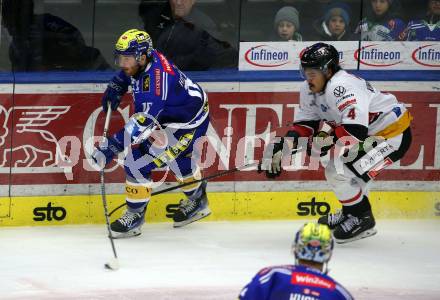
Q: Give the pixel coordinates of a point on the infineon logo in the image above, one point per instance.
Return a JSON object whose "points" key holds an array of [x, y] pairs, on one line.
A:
{"points": [[427, 55], [266, 56], [373, 56]]}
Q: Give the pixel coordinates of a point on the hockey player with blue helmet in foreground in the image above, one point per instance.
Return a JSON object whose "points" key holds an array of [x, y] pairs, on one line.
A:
{"points": [[171, 113], [307, 279]]}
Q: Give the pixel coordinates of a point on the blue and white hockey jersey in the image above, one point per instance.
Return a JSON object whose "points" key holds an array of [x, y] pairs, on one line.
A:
{"points": [[291, 282], [163, 96], [421, 30], [388, 30]]}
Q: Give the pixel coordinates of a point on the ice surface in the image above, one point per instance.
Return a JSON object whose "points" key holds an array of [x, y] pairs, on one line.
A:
{"points": [[208, 260]]}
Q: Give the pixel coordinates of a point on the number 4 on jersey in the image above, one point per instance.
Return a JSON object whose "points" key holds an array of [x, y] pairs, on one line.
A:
{"points": [[352, 114]]}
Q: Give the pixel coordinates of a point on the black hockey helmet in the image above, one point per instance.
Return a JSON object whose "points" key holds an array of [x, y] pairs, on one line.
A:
{"points": [[320, 56]]}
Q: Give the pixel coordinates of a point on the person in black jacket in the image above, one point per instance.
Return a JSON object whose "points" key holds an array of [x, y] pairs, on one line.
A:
{"points": [[187, 36], [44, 42]]}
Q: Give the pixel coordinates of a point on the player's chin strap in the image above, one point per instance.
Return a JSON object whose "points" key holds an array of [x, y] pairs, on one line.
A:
{"points": [[207, 178]]}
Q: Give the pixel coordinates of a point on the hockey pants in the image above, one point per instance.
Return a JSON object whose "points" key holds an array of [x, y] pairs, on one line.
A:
{"points": [[176, 154], [350, 181]]}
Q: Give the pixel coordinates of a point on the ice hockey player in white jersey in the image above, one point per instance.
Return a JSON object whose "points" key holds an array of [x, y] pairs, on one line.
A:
{"points": [[307, 279], [373, 126]]}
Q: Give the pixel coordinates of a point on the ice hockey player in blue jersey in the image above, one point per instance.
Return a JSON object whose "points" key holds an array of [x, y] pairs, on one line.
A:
{"points": [[427, 28], [171, 113], [307, 279]]}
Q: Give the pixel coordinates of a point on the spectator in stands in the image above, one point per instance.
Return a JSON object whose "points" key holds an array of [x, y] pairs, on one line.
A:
{"points": [[286, 24], [426, 28], [309, 10], [185, 9], [44, 42], [383, 21], [335, 24], [187, 36], [156, 15]]}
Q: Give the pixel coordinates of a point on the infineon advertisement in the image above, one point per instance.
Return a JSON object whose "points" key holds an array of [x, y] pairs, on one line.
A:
{"points": [[363, 56]]}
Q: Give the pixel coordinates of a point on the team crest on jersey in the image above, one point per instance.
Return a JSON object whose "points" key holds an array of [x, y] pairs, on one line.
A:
{"points": [[146, 83], [339, 91], [324, 108]]}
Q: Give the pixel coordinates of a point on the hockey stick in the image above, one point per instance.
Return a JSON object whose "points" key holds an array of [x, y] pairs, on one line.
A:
{"points": [[196, 181], [259, 169], [112, 264]]}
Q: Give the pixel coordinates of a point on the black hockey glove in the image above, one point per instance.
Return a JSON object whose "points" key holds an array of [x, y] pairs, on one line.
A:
{"points": [[113, 93], [320, 143]]}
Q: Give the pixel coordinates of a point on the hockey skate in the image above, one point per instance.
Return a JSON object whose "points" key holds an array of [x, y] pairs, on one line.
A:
{"points": [[355, 228], [333, 220], [128, 225], [191, 210]]}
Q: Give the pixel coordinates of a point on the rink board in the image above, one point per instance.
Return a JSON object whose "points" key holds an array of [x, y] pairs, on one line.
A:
{"points": [[48, 132], [88, 209], [43, 120]]}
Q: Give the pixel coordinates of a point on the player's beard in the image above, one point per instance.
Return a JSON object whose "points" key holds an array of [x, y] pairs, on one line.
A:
{"points": [[134, 71]]}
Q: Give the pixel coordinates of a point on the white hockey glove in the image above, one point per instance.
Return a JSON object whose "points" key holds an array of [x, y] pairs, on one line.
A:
{"points": [[275, 169], [272, 166]]}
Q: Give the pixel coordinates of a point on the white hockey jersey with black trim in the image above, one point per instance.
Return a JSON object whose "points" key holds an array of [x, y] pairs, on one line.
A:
{"points": [[348, 99]]}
